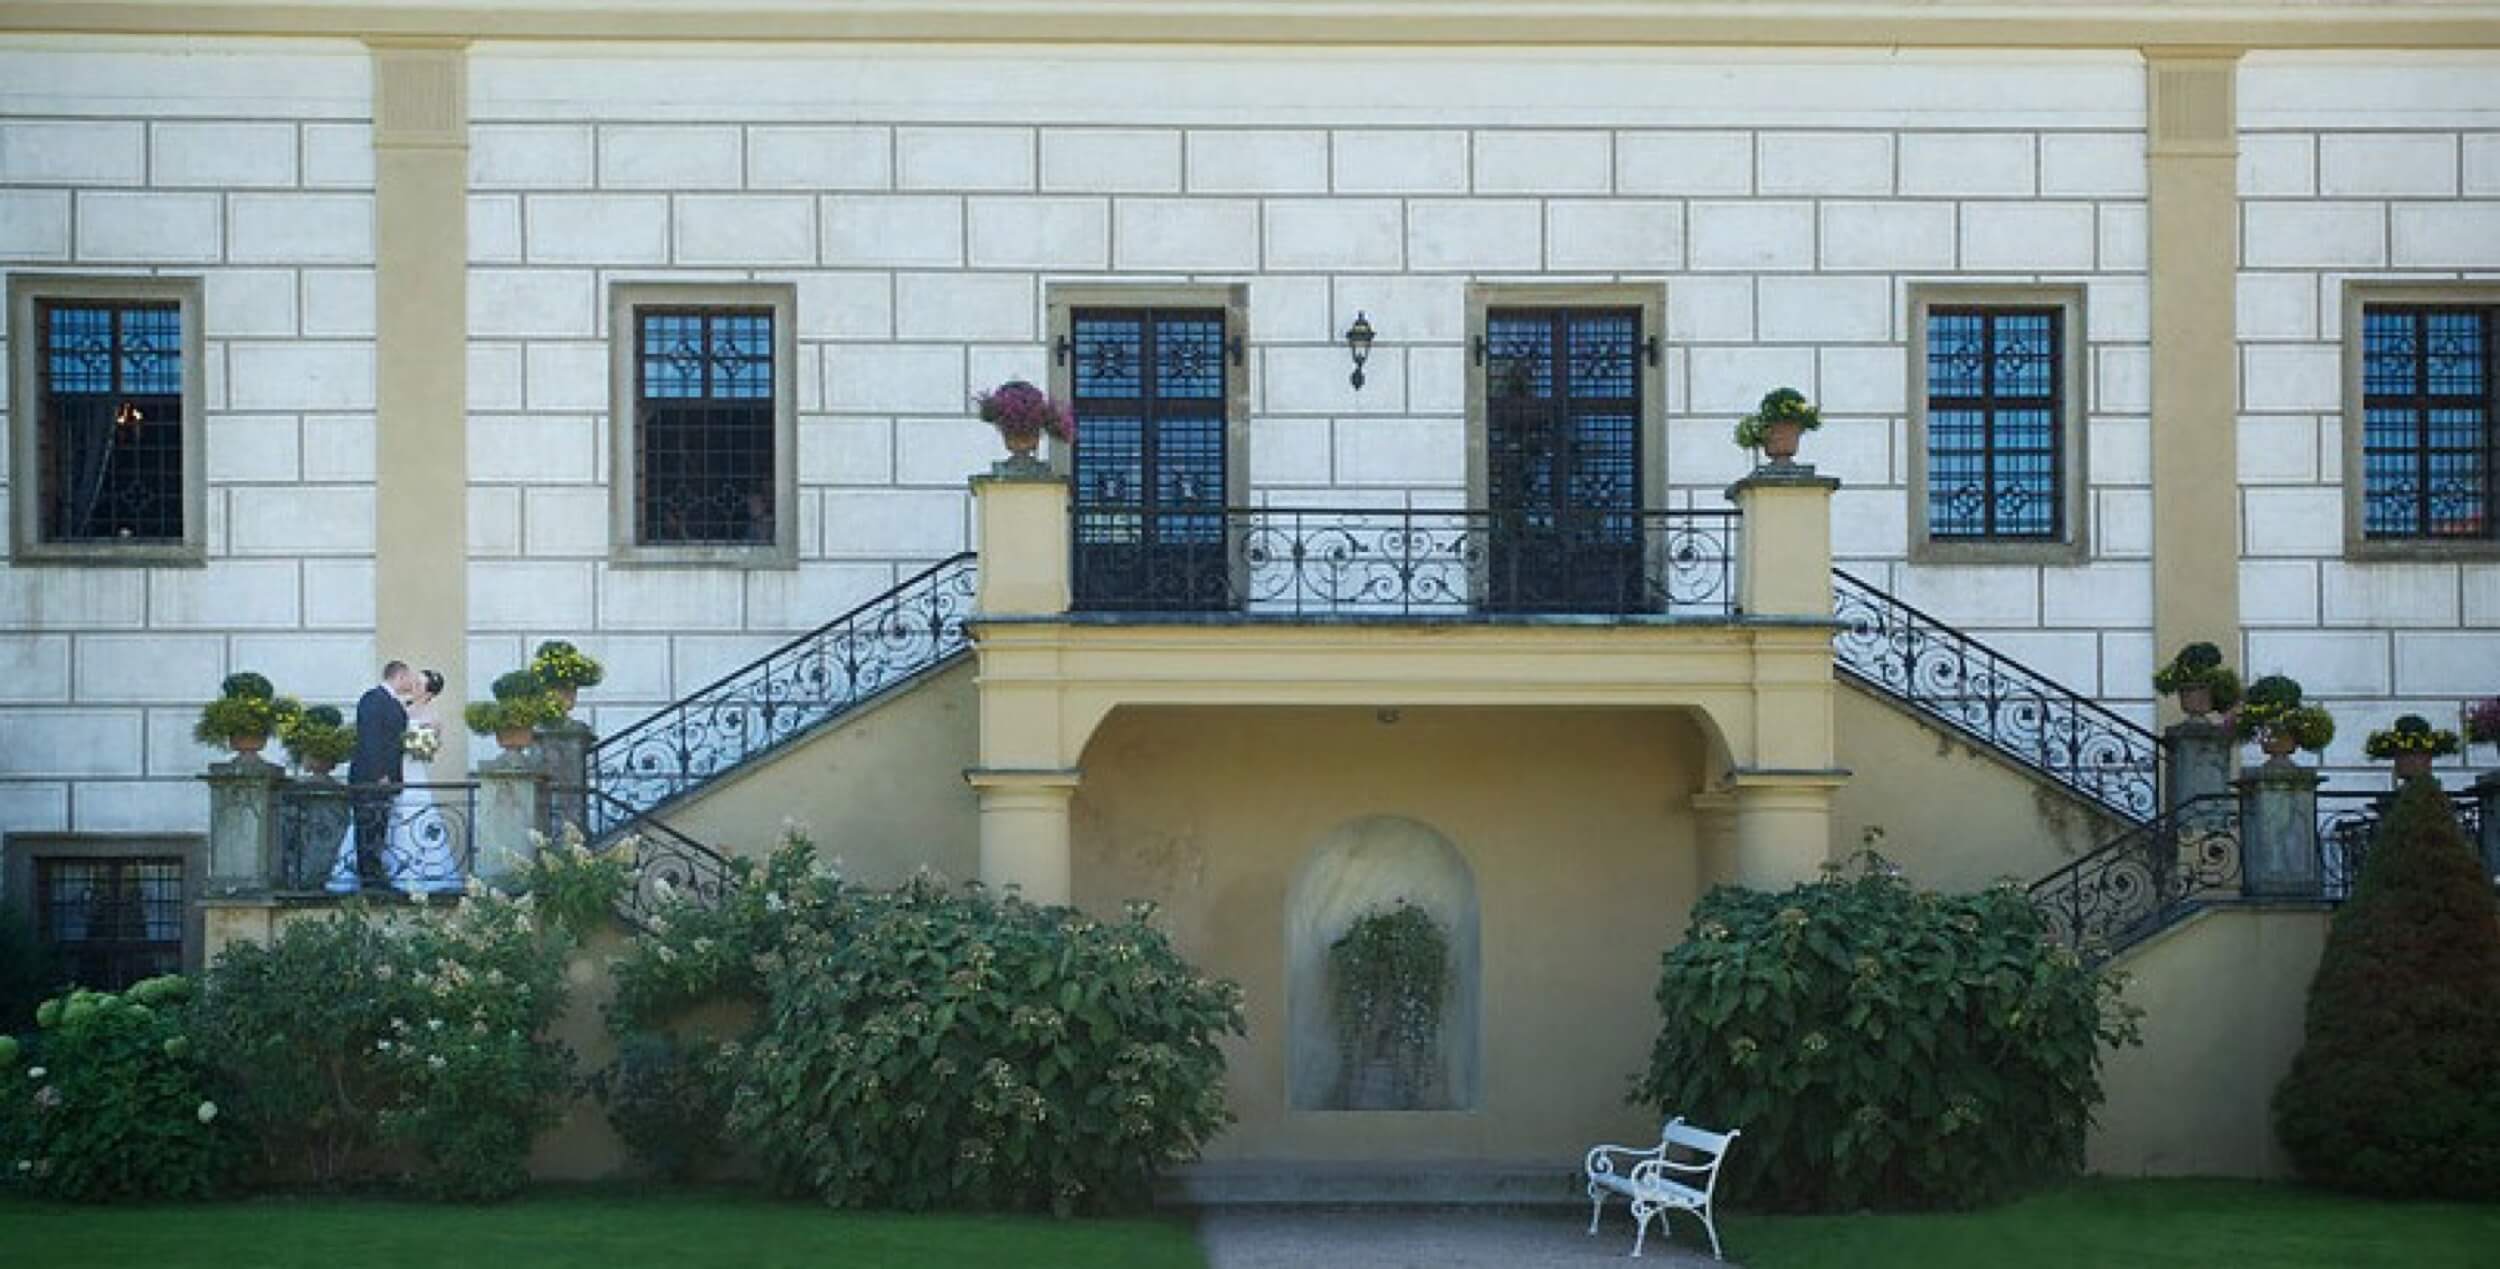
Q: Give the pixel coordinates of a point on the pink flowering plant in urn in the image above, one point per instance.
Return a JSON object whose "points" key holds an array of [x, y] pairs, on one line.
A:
{"points": [[2481, 720], [1022, 413]]}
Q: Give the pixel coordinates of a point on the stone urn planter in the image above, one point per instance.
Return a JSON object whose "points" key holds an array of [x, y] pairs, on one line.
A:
{"points": [[2197, 701], [2410, 765], [566, 693], [514, 739], [247, 746], [1780, 440], [2279, 745], [318, 768]]}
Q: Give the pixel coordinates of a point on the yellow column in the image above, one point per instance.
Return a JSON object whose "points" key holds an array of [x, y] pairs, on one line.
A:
{"points": [[1026, 778], [1783, 782], [2192, 215], [420, 297], [1783, 826]]}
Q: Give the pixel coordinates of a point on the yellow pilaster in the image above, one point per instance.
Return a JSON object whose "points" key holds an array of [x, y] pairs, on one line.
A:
{"points": [[2192, 200], [420, 297], [1783, 826], [1024, 831], [1714, 835]]}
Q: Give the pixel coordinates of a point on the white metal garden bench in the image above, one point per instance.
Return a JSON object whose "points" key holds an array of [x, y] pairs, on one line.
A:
{"points": [[1679, 1174]]}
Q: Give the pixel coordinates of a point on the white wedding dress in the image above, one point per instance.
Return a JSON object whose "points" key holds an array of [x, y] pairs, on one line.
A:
{"points": [[421, 853]]}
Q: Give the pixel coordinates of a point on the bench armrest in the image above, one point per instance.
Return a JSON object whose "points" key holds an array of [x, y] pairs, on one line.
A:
{"points": [[1601, 1158]]}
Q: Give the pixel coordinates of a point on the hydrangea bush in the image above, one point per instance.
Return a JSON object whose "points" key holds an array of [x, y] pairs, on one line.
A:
{"points": [[1881, 1046], [927, 1047], [359, 1046], [112, 1102]]}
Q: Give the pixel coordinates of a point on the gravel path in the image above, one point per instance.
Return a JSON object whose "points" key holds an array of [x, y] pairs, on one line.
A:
{"points": [[1426, 1238]]}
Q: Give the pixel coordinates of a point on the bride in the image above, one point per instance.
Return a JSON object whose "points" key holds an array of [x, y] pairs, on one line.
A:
{"points": [[418, 854]]}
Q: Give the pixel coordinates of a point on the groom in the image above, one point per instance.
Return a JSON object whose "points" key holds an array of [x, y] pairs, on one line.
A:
{"points": [[374, 772]]}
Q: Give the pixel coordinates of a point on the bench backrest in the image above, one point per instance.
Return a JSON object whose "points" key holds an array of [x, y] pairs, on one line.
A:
{"points": [[1710, 1146]]}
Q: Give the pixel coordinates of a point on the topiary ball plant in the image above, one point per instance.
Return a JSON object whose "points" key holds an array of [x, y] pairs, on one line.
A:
{"points": [[2199, 679], [2396, 1090], [246, 713], [2275, 716]]}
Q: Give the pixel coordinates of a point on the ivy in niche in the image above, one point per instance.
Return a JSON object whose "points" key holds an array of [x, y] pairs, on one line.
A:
{"points": [[1389, 978]]}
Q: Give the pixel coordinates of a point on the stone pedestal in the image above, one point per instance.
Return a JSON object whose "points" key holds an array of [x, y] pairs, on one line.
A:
{"points": [[1785, 546], [511, 808], [243, 839], [564, 748], [2487, 808], [2279, 833], [2202, 755]]}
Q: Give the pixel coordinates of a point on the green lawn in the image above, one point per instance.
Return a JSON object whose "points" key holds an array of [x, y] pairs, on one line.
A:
{"points": [[568, 1231], [2136, 1224]]}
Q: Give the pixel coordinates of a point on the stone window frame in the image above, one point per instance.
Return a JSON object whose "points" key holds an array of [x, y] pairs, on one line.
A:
{"points": [[19, 851], [2074, 543], [27, 544], [2358, 545], [624, 452], [1649, 297]]}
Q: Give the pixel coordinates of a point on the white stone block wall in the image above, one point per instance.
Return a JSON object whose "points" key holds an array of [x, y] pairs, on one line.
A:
{"points": [[2385, 168], [923, 202], [248, 165]]}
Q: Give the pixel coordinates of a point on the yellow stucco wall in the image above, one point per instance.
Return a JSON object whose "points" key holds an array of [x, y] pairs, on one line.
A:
{"points": [[2224, 994], [884, 791], [1953, 817], [1575, 823]]}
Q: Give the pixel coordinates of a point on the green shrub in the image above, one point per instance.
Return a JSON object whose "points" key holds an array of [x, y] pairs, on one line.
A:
{"points": [[115, 1103], [318, 734], [919, 1048], [2199, 665], [353, 1042], [1389, 976], [1880, 1046], [557, 663], [227, 717], [575, 887], [664, 1103], [2396, 1089], [292, 1024]]}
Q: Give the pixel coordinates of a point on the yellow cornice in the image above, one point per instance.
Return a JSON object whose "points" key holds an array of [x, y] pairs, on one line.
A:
{"points": [[2252, 24]]}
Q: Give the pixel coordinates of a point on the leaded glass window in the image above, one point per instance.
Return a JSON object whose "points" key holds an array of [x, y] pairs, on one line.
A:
{"points": [[111, 922], [2427, 441], [1996, 424], [110, 441], [1149, 390], [1563, 451], [704, 425]]}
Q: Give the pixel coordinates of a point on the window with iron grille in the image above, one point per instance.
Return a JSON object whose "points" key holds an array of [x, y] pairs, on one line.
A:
{"points": [[2429, 449], [1150, 391], [704, 426], [1563, 457], [111, 921], [104, 380], [1996, 424]]}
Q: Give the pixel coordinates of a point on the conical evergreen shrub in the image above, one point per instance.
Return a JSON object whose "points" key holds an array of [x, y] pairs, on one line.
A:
{"points": [[2397, 1087]]}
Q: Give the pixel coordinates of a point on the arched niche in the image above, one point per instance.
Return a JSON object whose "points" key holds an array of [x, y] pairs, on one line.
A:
{"points": [[1361, 865]]}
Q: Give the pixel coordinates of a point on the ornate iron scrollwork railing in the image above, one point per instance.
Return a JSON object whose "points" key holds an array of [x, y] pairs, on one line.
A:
{"points": [[668, 865], [2145, 880], [1406, 564], [404, 838], [2348, 824], [881, 645], [2016, 711]]}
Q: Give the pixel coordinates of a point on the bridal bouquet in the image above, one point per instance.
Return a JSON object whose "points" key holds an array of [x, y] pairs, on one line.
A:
{"points": [[422, 742]]}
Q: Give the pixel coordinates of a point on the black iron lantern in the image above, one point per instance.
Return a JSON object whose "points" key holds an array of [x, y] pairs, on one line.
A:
{"points": [[1358, 341]]}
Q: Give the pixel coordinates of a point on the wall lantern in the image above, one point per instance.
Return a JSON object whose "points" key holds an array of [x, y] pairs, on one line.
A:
{"points": [[1358, 341]]}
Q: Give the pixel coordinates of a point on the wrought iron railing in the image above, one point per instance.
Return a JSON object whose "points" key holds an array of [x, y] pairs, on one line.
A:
{"points": [[2148, 878], [881, 645], [402, 838], [667, 863], [1406, 563], [2348, 824], [2016, 711]]}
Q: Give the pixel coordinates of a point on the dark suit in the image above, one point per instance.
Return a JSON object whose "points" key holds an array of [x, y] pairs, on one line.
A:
{"points": [[374, 772]]}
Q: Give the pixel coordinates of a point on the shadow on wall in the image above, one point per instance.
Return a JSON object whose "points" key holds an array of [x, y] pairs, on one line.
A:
{"points": [[1361, 866]]}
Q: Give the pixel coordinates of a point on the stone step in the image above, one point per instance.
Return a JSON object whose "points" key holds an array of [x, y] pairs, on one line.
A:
{"points": [[1368, 1184]]}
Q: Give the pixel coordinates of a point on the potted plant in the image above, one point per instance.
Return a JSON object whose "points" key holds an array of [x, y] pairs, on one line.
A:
{"points": [[2274, 716], [1389, 976], [2481, 721], [1022, 413], [2411, 743], [521, 702], [1776, 425], [566, 670], [244, 715], [319, 738], [2200, 680]]}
